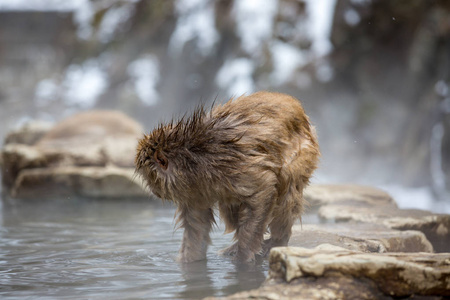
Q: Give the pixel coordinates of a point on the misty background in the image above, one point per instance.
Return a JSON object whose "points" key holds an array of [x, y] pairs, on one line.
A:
{"points": [[373, 75]]}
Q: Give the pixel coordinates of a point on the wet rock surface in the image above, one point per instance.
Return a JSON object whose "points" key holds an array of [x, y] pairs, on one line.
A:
{"points": [[314, 288], [81, 182], [330, 272], [395, 274], [89, 155], [365, 248], [436, 227], [355, 205], [346, 194], [360, 237]]}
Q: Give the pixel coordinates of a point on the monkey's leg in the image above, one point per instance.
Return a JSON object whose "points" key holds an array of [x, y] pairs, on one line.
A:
{"points": [[284, 217], [280, 231], [229, 214], [253, 218], [196, 223]]}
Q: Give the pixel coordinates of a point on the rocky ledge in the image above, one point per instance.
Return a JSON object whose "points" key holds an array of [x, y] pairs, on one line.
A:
{"points": [[330, 272], [88, 155], [363, 247]]}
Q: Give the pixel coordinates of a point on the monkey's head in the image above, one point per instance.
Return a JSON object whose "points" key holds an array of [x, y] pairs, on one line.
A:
{"points": [[187, 160], [157, 160], [174, 159]]}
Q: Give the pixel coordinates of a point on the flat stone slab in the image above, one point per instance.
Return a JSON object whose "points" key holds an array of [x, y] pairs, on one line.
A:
{"points": [[330, 288], [83, 182], [395, 274], [318, 195], [436, 227], [330, 272], [28, 134], [90, 154], [364, 237]]}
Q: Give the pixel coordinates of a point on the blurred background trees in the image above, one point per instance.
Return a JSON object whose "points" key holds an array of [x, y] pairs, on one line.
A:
{"points": [[372, 74]]}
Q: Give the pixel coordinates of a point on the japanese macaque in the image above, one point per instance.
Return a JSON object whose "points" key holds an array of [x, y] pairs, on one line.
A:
{"points": [[251, 158]]}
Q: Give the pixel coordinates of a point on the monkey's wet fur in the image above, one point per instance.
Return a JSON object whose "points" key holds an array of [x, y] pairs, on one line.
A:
{"points": [[251, 158]]}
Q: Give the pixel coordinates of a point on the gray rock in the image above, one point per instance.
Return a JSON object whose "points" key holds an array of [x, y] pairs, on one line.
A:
{"points": [[360, 237], [330, 272], [28, 134], [436, 227], [353, 195], [90, 154], [330, 288], [375, 251], [83, 182], [93, 138], [395, 274], [16, 157], [361, 204]]}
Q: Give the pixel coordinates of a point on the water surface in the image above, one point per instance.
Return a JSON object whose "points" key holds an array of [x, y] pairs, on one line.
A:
{"points": [[72, 249]]}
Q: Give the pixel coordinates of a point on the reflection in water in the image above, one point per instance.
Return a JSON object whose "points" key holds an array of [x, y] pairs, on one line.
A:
{"points": [[208, 277], [196, 276], [108, 249]]}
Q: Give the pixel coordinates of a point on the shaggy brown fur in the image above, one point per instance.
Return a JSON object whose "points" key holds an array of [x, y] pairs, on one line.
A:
{"points": [[252, 157]]}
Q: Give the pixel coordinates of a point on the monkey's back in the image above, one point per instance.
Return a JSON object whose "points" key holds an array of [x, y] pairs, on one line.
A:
{"points": [[277, 137]]}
